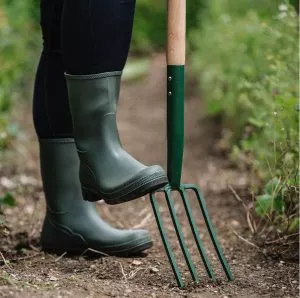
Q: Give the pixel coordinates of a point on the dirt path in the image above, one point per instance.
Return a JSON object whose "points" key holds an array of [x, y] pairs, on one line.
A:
{"points": [[32, 273]]}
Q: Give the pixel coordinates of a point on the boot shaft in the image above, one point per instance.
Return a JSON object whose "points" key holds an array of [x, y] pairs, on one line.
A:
{"points": [[59, 170], [92, 98]]}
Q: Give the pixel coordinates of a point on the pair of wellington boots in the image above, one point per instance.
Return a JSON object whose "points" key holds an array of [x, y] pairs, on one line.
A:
{"points": [[97, 168]]}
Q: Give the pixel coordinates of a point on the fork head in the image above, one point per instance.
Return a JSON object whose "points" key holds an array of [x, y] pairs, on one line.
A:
{"points": [[168, 191]]}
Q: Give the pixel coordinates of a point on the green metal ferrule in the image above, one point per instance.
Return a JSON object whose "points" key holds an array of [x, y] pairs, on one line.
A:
{"points": [[175, 122]]}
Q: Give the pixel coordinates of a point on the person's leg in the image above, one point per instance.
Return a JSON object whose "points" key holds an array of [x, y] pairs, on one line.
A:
{"points": [[96, 35], [70, 224], [95, 42], [51, 111]]}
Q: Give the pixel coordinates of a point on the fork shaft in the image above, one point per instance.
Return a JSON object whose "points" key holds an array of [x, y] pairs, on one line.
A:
{"points": [[175, 88], [175, 122], [176, 32]]}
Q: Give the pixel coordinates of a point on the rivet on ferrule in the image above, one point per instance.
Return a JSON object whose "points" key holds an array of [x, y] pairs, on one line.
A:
{"points": [[169, 93], [169, 78]]}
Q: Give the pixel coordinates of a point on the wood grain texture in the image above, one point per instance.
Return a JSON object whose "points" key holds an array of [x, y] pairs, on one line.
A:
{"points": [[176, 32]]}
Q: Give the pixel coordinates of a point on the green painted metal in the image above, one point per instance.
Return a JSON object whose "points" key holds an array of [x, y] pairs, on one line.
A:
{"points": [[175, 135], [211, 229], [175, 122], [178, 230], [196, 233], [165, 241]]}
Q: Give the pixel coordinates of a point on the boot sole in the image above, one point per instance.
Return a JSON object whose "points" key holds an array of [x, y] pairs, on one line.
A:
{"points": [[131, 192], [132, 251]]}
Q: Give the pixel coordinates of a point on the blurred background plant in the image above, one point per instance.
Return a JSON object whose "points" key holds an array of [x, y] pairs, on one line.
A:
{"points": [[247, 54], [244, 54], [18, 47]]}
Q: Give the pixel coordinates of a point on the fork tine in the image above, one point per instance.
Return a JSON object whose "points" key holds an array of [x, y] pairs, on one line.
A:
{"points": [[180, 237], [165, 241], [211, 230], [196, 234]]}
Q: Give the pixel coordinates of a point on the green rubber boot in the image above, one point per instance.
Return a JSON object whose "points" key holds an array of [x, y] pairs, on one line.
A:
{"points": [[107, 171], [72, 224]]}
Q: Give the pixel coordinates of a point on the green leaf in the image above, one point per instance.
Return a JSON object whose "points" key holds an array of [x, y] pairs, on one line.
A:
{"points": [[8, 200], [278, 204], [267, 203], [256, 123], [272, 186], [294, 226], [263, 204]]}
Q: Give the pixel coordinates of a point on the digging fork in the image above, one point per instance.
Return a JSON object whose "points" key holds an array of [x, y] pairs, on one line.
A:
{"points": [[175, 137]]}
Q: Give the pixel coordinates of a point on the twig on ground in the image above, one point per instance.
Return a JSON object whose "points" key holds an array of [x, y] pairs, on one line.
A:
{"points": [[143, 212], [248, 215], [144, 221], [96, 251], [123, 273], [245, 240], [60, 257], [26, 257], [22, 258], [289, 243], [106, 212], [145, 270], [134, 272], [281, 238], [4, 260], [249, 221], [33, 247]]}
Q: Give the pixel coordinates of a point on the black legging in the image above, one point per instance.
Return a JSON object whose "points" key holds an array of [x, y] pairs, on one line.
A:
{"points": [[80, 37]]}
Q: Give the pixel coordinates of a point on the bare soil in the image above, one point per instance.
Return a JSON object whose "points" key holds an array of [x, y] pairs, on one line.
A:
{"points": [[25, 271]]}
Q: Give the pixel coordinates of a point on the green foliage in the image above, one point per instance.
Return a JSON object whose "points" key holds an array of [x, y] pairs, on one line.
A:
{"points": [[279, 205], [272, 199], [247, 55], [149, 25], [17, 38], [7, 200], [149, 30]]}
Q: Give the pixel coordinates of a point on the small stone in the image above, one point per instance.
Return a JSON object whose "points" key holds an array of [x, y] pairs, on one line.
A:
{"points": [[294, 281], [53, 278], [137, 262], [154, 269], [7, 183], [27, 180], [235, 223]]}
